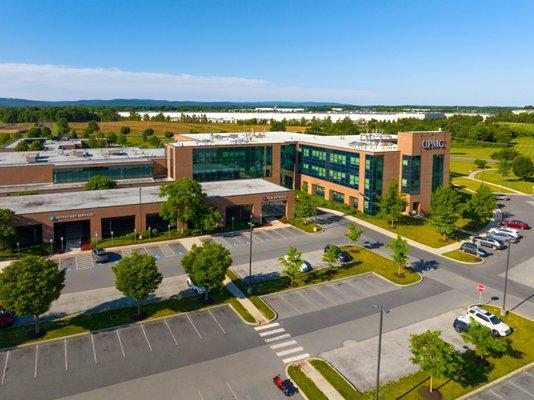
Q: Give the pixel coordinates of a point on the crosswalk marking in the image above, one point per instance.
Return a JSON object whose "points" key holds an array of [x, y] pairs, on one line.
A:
{"points": [[283, 344], [268, 326], [276, 338], [84, 262], [296, 358], [273, 332], [289, 351]]}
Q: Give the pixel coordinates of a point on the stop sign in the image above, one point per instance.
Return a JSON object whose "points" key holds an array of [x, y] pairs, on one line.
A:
{"points": [[481, 288]]}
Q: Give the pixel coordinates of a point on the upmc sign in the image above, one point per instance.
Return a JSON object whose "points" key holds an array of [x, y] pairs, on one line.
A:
{"points": [[433, 144]]}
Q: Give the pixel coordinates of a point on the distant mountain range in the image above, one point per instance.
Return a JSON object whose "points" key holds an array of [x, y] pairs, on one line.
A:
{"points": [[9, 102]]}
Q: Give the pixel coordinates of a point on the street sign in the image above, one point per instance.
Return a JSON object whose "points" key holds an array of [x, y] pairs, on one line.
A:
{"points": [[481, 288]]}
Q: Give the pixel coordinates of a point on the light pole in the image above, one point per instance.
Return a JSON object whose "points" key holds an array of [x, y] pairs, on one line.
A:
{"points": [[149, 232], [51, 241], [249, 286], [135, 235], [62, 248], [112, 238], [169, 228], [382, 310], [18, 250], [503, 309], [261, 219], [232, 223]]}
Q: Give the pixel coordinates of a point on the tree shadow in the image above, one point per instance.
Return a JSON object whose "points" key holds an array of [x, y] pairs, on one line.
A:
{"points": [[472, 373], [372, 245], [412, 388], [422, 265]]}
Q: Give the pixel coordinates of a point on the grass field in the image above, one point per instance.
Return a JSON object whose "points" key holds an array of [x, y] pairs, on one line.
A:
{"points": [[524, 145], [520, 128], [461, 256], [473, 185], [513, 182]]}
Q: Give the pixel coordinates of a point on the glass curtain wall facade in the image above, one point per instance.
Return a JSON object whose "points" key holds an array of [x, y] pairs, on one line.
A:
{"points": [[62, 175], [336, 166], [437, 171], [288, 159], [374, 167], [227, 163], [411, 174]]}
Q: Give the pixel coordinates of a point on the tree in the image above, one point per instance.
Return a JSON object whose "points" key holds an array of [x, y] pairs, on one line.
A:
{"points": [[99, 182], [400, 249], [92, 126], [481, 164], [29, 286], [169, 134], [111, 137], [46, 132], [353, 233], [137, 276], [305, 206], [392, 204], [125, 130], [508, 153], [505, 166], [62, 127], [277, 126], [185, 201], [434, 356], [206, 265], [291, 263], [523, 167], [485, 343], [480, 206], [211, 216], [122, 139], [21, 146], [7, 232], [331, 255], [36, 145], [444, 210], [155, 141]]}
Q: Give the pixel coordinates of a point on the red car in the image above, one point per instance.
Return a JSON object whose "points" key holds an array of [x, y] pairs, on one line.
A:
{"points": [[6, 317], [514, 223]]}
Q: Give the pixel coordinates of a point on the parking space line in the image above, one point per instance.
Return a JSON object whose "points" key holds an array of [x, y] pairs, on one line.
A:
{"points": [[200, 394], [324, 295], [120, 342], [276, 338], [308, 300], [500, 397], [66, 362], [172, 334], [93, 342], [296, 358], [231, 391], [167, 252], [36, 355], [289, 351], [272, 332], [357, 288], [215, 319], [196, 330], [283, 344], [5, 368], [525, 372], [268, 326], [520, 388], [291, 305], [146, 337]]}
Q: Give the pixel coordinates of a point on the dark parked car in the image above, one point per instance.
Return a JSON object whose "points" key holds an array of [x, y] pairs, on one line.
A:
{"points": [[100, 255], [461, 324], [471, 248], [6, 317], [488, 241], [514, 223], [342, 256]]}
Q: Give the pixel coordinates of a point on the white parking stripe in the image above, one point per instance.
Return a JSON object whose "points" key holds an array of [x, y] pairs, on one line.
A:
{"points": [[520, 388], [167, 252], [200, 394], [172, 334], [290, 305], [324, 295], [196, 330], [146, 337], [5, 368], [215, 319], [500, 397], [231, 391], [273, 332], [525, 372], [268, 326], [120, 342], [66, 362], [94, 351], [36, 355], [296, 358], [289, 351], [276, 338], [283, 344], [308, 300]]}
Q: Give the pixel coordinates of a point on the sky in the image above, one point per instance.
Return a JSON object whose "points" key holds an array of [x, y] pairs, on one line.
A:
{"points": [[359, 52]]}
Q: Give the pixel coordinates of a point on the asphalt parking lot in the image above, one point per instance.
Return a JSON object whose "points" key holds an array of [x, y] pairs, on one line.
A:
{"points": [[518, 387], [301, 301]]}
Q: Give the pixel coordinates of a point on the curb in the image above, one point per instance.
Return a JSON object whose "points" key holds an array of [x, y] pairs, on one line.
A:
{"points": [[241, 317], [482, 261], [300, 391], [339, 373]]}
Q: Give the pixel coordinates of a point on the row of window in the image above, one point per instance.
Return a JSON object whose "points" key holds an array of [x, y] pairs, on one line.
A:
{"points": [[62, 175]]}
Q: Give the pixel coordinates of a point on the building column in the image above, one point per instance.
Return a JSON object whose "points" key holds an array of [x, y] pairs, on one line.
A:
{"points": [[95, 227], [256, 210]]}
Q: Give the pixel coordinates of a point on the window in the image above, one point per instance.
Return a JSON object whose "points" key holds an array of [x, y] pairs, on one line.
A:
{"points": [[319, 190], [338, 197], [61, 175], [411, 174], [305, 186], [437, 171], [374, 166]]}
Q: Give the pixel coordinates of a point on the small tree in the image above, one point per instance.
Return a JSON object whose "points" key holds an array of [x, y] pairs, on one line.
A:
{"points": [[99, 182], [185, 201], [291, 263], [21, 146], [505, 166], [277, 126], [392, 204], [7, 232], [354, 233], [92, 126], [444, 210], [523, 167], [137, 276], [125, 130], [155, 141], [481, 164], [400, 249], [29, 286], [508, 153], [169, 134], [480, 206], [485, 343], [36, 145], [206, 265], [331, 255], [434, 356], [305, 206], [122, 139], [211, 216]]}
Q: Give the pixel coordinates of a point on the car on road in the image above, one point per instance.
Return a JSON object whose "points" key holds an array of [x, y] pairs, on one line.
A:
{"points": [[489, 242], [503, 237], [473, 249], [342, 256], [501, 196], [515, 223], [100, 255], [198, 289], [6, 317], [506, 231], [461, 324], [485, 318]]}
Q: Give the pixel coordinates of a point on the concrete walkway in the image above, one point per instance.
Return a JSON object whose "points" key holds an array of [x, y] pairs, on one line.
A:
{"points": [[320, 381], [245, 302]]}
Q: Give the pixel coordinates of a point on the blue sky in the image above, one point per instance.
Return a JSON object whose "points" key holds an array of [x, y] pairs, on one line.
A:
{"points": [[373, 52]]}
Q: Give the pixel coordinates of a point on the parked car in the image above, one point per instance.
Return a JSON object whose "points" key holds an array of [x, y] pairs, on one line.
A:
{"points": [[198, 289], [515, 223], [6, 317], [304, 267], [501, 196], [484, 317], [507, 231], [471, 248], [489, 242], [100, 255], [461, 324], [342, 256], [503, 237]]}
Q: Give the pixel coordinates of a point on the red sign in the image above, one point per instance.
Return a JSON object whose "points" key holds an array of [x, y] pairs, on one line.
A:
{"points": [[481, 288]]}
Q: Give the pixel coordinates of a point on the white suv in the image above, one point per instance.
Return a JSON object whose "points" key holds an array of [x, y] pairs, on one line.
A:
{"points": [[485, 318], [507, 231]]}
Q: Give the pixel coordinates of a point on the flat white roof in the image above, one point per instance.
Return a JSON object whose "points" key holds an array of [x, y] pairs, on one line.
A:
{"points": [[43, 203]]}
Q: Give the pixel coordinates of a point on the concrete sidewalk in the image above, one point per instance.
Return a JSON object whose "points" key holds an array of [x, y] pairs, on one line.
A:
{"points": [[320, 381], [472, 175], [245, 302]]}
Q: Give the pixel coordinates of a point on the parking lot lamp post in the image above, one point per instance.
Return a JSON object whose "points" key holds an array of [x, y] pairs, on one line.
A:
{"points": [[249, 286], [503, 309], [261, 219], [112, 238], [169, 228], [62, 248], [135, 235], [381, 310], [51, 241], [18, 250], [149, 231], [232, 223]]}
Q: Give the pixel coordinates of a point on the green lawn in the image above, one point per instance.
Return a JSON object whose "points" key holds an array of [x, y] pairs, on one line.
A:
{"points": [[461, 256], [476, 152], [473, 185], [305, 384], [520, 128], [524, 145], [512, 181], [345, 389], [305, 225]]}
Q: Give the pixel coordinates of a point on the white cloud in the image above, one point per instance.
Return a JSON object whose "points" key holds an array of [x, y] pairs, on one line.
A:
{"points": [[54, 82]]}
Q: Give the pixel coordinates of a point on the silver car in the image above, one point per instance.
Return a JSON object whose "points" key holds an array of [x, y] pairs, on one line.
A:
{"points": [[503, 237]]}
